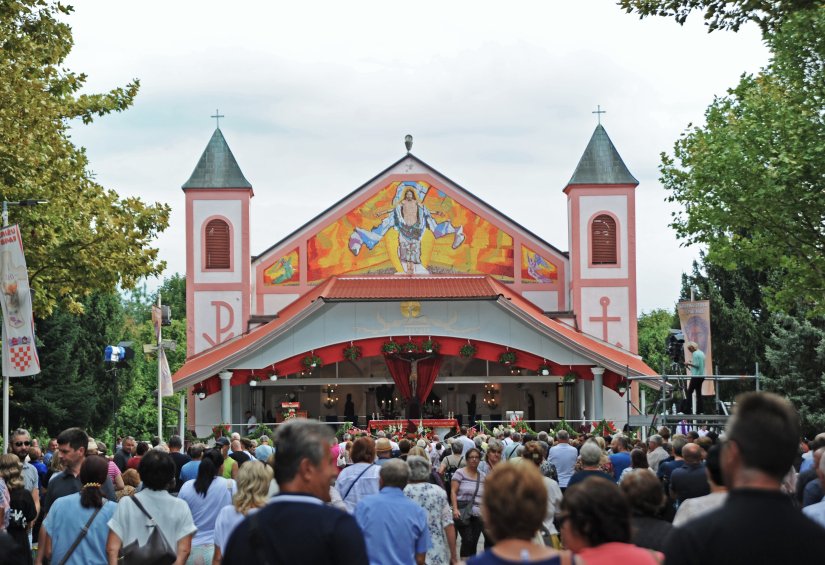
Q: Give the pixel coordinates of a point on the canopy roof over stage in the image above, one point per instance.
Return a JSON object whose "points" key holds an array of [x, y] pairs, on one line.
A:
{"points": [[369, 311]]}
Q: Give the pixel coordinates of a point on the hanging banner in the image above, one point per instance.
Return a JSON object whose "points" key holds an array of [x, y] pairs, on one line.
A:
{"points": [[19, 352], [694, 317], [157, 320], [165, 374]]}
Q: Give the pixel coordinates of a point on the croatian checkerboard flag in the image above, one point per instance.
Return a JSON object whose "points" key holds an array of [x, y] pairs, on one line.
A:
{"points": [[19, 352]]}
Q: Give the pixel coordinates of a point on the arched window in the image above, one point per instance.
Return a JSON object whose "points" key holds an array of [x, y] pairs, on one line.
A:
{"points": [[217, 245], [603, 240]]}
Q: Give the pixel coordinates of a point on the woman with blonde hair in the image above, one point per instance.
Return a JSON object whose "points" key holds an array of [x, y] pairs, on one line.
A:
{"points": [[253, 493], [534, 453]]}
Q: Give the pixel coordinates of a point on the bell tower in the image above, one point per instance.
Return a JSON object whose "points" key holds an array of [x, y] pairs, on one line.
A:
{"points": [[601, 211], [217, 248]]}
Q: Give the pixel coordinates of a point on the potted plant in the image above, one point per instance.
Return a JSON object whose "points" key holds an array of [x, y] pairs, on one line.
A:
{"points": [[312, 361], [621, 388], [570, 377], [467, 350], [253, 380], [409, 347], [430, 346], [390, 347], [544, 369], [221, 430], [353, 352], [507, 358]]}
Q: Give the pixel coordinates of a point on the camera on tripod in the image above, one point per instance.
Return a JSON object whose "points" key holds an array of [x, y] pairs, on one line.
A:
{"points": [[675, 346]]}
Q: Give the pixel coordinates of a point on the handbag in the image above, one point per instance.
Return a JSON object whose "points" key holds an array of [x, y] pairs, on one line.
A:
{"points": [[156, 550], [465, 508], [83, 531]]}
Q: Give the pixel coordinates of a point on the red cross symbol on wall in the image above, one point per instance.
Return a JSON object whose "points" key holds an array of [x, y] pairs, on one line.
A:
{"points": [[604, 318]]}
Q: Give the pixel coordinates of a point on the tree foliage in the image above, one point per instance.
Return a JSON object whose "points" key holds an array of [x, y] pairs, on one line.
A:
{"points": [[723, 14], [654, 328], [75, 387], [751, 180], [796, 357], [86, 238]]}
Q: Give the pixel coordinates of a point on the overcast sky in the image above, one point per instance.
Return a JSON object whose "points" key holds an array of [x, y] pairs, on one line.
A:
{"points": [[319, 95]]}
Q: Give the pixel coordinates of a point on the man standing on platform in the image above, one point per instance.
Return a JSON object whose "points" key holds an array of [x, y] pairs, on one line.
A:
{"points": [[697, 371]]}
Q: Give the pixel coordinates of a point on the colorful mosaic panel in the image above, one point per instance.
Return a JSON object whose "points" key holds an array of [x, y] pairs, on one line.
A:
{"points": [[410, 228], [284, 271], [535, 269]]}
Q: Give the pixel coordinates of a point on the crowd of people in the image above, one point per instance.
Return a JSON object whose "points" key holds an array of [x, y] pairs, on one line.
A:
{"points": [[753, 495]]}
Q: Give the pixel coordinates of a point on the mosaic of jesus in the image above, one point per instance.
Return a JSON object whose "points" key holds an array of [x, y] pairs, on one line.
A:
{"points": [[410, 218]]}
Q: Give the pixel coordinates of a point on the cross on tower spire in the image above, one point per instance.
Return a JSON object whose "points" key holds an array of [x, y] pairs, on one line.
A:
{"points": [[217, 117], [599, 113]]}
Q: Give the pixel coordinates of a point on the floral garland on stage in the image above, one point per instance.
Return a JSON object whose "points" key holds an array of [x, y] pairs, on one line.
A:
{"points": [[604, 428]]}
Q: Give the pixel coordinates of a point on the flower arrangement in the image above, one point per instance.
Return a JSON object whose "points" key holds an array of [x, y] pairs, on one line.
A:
{"points": [[563, 425], [262, 430], [221, 430], [390, 347], [353, 352], [521, 427], [430, 346], [409, 347], [312, 361], [467, 350], [507, 358], [570, 377], [604, 428], [545, 369]]}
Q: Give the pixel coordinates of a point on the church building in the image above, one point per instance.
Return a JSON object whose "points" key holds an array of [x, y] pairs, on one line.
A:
{"points": [[411, 297]]}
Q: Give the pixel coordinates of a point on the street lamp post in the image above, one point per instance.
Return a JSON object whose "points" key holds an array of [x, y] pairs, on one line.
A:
{"points": [[6, 204]]}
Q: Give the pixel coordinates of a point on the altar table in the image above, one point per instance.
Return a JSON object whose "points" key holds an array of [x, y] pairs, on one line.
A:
{"points": [[440, 426]]}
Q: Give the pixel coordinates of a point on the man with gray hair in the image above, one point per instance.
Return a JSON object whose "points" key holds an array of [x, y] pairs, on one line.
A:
{"points": [[656, 453], [395, 528], [591, 456], [563, 456], [279, 534]]}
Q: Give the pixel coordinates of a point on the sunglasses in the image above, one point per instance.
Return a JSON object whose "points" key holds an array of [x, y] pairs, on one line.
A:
{"points": [[22, 443]]}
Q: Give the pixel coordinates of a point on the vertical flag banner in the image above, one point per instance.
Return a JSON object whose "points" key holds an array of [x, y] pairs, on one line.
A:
{"points": [[19, 352], [165, 374], [694, 317], [156, 321]]}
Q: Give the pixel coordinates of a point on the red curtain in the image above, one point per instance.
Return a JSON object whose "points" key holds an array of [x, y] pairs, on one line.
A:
{"points": [[427, 373], [400, 372]]}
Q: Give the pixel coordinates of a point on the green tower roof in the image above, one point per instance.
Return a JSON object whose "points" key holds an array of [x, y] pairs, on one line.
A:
{"points": [[217, 167], [601, 163]]}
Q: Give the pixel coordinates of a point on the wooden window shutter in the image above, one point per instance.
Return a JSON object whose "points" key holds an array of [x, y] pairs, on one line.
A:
{"points": [[603, 240], [217, 245]]}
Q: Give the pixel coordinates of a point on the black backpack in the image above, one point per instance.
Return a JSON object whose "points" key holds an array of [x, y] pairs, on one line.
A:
{"points": [[448, 473]]}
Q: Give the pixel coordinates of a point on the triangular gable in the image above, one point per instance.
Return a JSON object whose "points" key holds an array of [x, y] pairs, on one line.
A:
{"points": [[441, 229]]}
